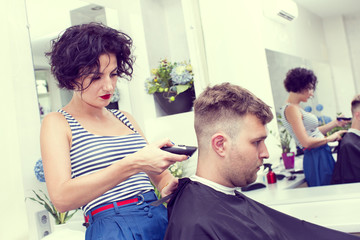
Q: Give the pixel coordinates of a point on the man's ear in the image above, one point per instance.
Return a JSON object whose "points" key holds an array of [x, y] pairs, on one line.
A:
{"points": [[219, 143], [357, 115]]}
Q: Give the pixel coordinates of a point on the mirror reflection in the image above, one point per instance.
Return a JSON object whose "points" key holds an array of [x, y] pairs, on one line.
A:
{"points": [[334, 64]]}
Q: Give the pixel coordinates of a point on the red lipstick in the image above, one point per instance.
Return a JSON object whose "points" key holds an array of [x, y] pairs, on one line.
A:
{"points": [[106, 96]]}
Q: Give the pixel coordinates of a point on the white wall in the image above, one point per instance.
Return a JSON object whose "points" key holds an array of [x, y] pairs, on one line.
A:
{"points": [[303, 37], [20, 122], [351, 23], [340, 61], [234, 46], [235, 52]]}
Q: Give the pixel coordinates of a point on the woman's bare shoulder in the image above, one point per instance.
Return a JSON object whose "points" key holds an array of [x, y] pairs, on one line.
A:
{"points": [[54, 119], [292, 109], [293, 112]]}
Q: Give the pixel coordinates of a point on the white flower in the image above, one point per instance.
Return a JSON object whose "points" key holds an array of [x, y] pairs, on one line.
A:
{"points": [[180, 69]]}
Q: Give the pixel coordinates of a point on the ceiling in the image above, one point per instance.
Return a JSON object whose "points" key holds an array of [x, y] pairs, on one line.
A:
{"points": [[58, 11], [329, 8], [41, 29]]}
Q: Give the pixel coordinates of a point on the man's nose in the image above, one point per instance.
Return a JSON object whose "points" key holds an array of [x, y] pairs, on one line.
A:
{"points": [[263, 153]]}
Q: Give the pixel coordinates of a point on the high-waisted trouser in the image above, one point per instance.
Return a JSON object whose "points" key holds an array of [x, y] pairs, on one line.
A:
{"points": [[132, 221], [318, 166]]}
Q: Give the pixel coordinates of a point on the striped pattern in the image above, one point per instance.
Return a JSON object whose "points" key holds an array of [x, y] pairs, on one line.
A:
{"points": [[310, 122], [90, 153]]}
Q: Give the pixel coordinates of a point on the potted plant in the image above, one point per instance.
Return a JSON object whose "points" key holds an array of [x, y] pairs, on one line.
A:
{"points": [[287, 156], [176, 170], [43, 199], [172, 85], [285, 141]]}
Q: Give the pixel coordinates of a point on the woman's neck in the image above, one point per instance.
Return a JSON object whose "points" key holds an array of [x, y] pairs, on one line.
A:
{"points": [[293, 98], [80, 108]]}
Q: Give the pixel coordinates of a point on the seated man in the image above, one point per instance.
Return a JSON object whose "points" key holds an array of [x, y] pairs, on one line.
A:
{"points": [[230, 124], [347, 166]]}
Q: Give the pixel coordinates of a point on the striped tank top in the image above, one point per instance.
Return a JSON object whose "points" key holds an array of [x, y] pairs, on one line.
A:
{"points": [[310, 122], [90, 153]]}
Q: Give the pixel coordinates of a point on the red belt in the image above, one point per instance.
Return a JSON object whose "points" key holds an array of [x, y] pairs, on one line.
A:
{"points": [[111, 205]]}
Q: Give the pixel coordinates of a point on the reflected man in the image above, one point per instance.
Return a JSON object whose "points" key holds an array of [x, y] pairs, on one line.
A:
{"points": [[347, 167]]}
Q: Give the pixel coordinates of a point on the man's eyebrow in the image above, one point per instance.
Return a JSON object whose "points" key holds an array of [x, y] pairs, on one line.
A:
{"points": [[260, 138]]}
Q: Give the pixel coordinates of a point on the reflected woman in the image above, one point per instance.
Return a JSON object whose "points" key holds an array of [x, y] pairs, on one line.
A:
{"points": [[318, 162], [95, 158]]}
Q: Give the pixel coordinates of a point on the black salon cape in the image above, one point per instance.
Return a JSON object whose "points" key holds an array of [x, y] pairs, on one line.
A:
{"points": [[347, 166], [199, 212]]}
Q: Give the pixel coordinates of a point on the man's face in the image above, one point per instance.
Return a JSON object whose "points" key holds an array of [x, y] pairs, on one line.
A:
{"points": [[247, 152]]}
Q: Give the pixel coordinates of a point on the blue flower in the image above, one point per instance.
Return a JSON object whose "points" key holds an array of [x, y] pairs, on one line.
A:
{"points": [[308, 109], [39, 171], [324, 120], [319, 107], [180, 75]]}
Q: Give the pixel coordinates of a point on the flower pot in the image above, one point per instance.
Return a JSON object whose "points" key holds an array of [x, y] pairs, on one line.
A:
{"points": [[58, 227], [289, 159], [183, 102], [71, 225]]}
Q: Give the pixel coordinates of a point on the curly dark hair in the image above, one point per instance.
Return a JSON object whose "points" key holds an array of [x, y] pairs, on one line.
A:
{"points": [[75, 54], [299, 79]]}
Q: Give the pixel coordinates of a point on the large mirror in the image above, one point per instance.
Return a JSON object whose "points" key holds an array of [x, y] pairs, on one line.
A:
{"points": [[322, 104], [323, 37], [330, 51]]}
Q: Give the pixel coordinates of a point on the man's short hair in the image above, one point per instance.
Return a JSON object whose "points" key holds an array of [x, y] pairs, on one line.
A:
{"points": [[355, 104], [216, 107]]}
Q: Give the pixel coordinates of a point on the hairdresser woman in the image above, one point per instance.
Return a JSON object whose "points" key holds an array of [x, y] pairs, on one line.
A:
{"points": [[318, 162], [95, 158]]}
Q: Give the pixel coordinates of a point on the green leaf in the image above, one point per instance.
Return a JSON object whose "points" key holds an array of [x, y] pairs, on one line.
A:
{"points": [[44, 200], [181, 88], [152, 89], [40, 198], [70, 216], [49, 203], [35, 200]]}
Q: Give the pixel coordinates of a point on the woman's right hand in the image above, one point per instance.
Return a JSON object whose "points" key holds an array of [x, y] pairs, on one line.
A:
{"points": [[152, 160], [336, 136]]}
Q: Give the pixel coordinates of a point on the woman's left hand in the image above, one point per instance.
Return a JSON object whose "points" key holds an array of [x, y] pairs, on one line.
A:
{"points": [[169, 187]]}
